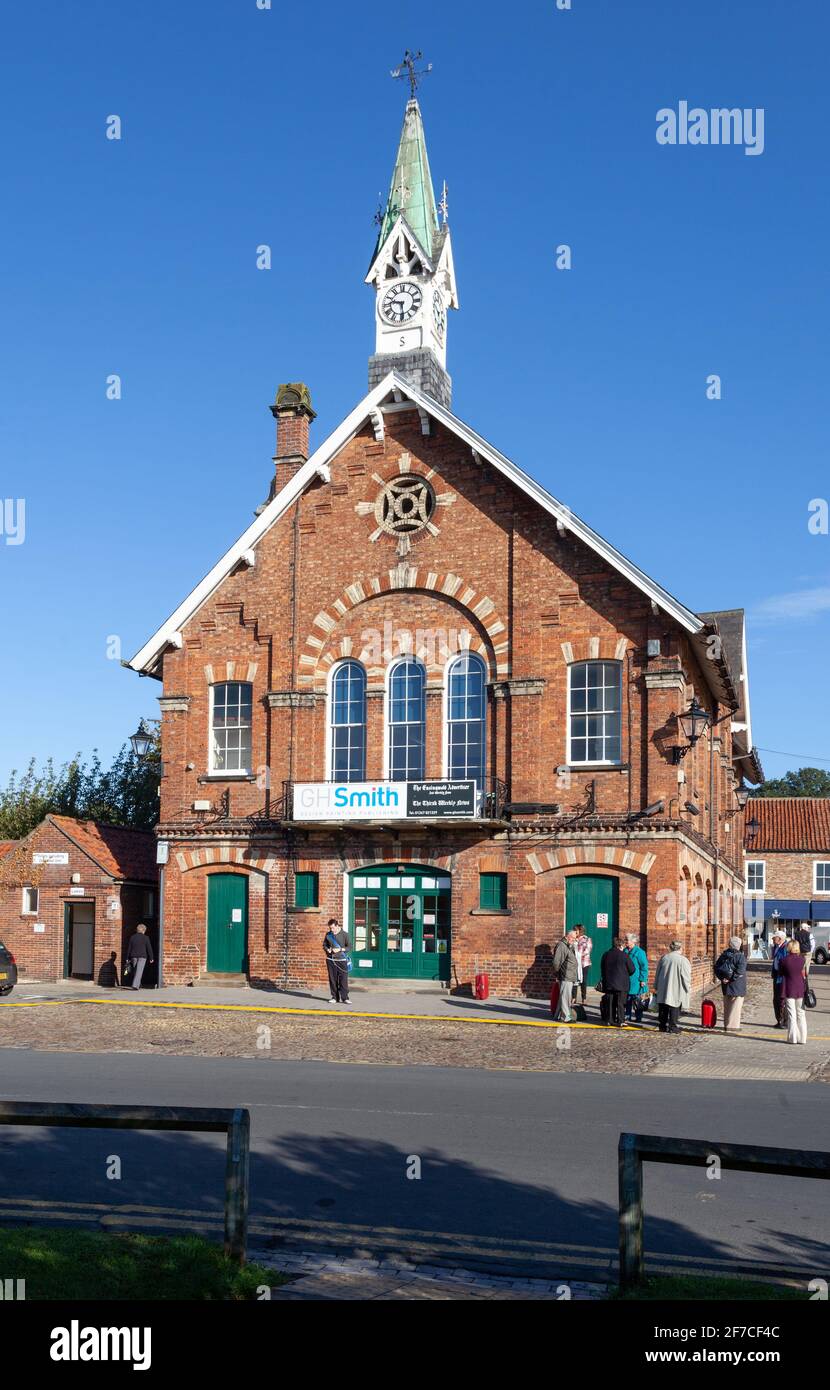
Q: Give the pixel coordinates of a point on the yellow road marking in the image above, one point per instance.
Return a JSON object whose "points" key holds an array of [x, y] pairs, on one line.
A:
{"points": [[694, 1029]]}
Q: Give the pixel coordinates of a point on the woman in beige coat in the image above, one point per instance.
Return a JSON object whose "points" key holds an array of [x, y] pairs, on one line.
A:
{"points": [[672, 987]]}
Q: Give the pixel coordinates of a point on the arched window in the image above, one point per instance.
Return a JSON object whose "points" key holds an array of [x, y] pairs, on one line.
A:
{"points": [[348, 723], [407, 720], [595, 718], [466, 718]]}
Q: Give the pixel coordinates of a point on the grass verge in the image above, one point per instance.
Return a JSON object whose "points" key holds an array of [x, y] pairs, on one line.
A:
{"points": [[86, 1265], [700, 1288]]}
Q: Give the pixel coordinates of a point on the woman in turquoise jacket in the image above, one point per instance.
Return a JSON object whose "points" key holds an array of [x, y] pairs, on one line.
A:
{"points": [[638, 986]]}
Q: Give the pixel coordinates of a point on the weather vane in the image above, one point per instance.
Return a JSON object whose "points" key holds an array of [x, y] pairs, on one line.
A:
{"points": [[408, 71]]}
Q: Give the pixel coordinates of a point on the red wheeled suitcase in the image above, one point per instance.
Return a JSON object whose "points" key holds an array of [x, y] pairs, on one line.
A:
{"points": [[554, 996], [708, 1014], [482, 987]]}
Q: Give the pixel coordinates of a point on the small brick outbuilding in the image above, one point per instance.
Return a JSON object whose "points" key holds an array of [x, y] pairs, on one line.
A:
{"points": [[72, 893]]}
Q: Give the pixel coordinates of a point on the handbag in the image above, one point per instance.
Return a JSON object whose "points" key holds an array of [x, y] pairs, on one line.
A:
{"points": [[809, 998]]}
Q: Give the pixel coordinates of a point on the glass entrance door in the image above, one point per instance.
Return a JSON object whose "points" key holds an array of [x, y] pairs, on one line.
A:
{"points": [[400, 924]]}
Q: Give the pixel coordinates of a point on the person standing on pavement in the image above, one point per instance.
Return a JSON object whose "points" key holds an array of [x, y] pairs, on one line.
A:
{"points": [[584, 947], [730, 968], [672, 987], [139, 952], [807, 945], [793, 988], [616, 970], [336, 948], [566, 971], [638, 985], [779, 951]]}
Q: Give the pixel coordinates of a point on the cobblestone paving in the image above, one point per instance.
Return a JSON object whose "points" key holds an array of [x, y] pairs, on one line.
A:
{"points": [[132, 1027]]}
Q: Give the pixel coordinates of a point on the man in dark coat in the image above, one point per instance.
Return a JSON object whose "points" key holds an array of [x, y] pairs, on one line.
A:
{"points": [[139, 952], [336, 946], [616, 969]]}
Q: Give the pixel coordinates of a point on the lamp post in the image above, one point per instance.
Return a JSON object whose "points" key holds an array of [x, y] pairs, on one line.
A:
{"points": [[693, 724], [141, 742]]}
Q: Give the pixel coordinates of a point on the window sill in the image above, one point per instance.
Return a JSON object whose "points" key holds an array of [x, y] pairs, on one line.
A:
{"points": [[596, 767], [227, 777], [491, 912], [310, 910]]}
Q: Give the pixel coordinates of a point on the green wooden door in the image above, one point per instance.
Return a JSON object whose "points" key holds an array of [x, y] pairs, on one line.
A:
{"points": [[227, 929], [593, 900], [400, 924]]}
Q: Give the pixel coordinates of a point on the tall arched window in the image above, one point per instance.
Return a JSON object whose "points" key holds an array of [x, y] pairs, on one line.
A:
{"points": [[466, 718], [348, 723], [407, 720]]}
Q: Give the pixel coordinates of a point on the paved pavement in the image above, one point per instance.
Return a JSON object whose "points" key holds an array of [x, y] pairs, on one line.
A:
{"points": [[517, 1170]]}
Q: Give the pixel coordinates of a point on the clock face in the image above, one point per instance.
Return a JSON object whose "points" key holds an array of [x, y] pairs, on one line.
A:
{"points": [[439, 314], [401, 302]]}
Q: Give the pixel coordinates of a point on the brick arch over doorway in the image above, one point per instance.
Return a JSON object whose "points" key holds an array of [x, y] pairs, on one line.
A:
{"points": [[604, 856], [482, 609]]}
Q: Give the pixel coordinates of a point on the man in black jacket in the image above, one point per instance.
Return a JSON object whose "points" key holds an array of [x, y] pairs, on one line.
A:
{"points": [[139, 952], [336, 946], [616, 969]]}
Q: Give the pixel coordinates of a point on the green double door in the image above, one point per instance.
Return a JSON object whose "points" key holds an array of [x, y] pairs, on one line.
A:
{"points": [[593, 900], [399, 924], [227, 923]]}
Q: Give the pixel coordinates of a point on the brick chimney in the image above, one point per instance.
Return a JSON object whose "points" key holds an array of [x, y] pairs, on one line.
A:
{"points": [[293, 414]]}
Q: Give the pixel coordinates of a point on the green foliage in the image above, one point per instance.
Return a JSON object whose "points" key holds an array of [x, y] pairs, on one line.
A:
{"points": [[78, 1264], [686, 1288], [807, 781], [124, 794]]}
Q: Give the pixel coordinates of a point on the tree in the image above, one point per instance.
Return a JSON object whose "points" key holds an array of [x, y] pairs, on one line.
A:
{"points": [[124, 794], [807, 781]]}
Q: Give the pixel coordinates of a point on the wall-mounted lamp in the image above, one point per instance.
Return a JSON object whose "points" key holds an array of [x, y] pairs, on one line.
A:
{"points": [[693, 724], [742, 796], [691, 808]]}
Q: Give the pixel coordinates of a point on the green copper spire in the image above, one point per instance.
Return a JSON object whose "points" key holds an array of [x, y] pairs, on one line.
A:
{"points": [[411, 194]]}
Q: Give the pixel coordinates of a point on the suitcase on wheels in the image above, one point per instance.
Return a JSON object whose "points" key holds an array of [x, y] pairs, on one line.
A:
{"points": [[554, 997], [708, 1014]]}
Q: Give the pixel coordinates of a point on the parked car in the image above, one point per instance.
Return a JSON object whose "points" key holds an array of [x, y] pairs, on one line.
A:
{"points": [[8, 971], [821, 954]]}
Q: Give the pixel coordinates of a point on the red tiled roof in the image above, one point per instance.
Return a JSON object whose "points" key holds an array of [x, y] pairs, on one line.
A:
{"points": [[789, 823], [6, 846], [126, 854]]}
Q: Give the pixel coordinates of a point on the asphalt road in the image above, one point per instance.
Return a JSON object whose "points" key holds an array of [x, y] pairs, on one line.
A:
{"points": [[517, 1169]]}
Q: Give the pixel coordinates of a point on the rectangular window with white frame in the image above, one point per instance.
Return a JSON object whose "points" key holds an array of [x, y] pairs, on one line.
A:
{"points": [[230, 727], [756, 876], [821, 876], [31, 901], [595, 712]]}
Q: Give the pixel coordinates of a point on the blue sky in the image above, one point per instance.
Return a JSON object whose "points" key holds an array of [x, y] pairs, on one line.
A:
{"points": [[244, 126]]}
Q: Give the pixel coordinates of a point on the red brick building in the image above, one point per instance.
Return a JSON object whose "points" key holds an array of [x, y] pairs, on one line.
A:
{"points": [[419, 694], [787, 852], [72, 893]]}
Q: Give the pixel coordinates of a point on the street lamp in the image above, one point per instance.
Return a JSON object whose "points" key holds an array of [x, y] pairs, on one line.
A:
{"points": [[693, 723], [742, 796], [141, 740]]}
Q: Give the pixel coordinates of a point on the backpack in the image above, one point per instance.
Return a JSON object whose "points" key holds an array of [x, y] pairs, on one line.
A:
{"points": [[725, 967], [803, 939], [344, 958]]}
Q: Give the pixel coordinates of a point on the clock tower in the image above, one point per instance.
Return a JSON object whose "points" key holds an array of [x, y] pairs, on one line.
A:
{"points": [[412, 272]]}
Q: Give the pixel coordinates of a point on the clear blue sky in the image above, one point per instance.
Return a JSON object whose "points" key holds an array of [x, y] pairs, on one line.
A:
{"points": [[244, 126]]}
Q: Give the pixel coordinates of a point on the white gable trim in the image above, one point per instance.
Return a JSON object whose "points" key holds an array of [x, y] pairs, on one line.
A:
{"points": [[318, 467]]}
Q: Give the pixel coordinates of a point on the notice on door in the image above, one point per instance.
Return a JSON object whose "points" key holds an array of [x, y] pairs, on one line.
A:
{"points": [[602, 920], [236, 914]]}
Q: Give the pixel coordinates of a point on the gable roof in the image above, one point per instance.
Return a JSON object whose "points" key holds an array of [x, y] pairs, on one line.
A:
{"points": [[789, 823], [121, 852], [393, 386]]}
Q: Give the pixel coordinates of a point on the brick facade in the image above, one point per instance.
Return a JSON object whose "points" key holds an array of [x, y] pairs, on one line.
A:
{"points": [[493, 575], [118, 903]]}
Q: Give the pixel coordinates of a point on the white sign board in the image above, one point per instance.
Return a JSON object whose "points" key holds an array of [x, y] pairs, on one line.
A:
{"points": [[76, 892], [602, 919], [57, 858], [349, 801], [39, 927]]}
